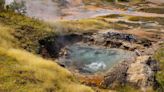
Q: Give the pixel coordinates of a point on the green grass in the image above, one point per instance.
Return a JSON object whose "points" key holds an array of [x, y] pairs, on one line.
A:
{"points": [[27, 31], [159, 56]]}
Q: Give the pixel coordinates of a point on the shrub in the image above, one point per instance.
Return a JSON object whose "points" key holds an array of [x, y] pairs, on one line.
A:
{"points": [[17, 7], [2, 3]]}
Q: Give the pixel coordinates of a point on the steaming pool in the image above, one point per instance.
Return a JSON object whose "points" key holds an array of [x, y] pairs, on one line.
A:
{"points": [[87, 59]]}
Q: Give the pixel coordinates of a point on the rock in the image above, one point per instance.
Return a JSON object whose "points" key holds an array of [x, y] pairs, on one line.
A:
{"points": [[99, 39], [53, 45], [120, 36], [141, 73], [116, 40], [116, 76], [154, 65], [112, 44], [144, 42]]}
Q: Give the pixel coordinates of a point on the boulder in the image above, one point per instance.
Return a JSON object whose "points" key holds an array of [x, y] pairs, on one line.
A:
{"points": [[141, 73], [116, 76]]}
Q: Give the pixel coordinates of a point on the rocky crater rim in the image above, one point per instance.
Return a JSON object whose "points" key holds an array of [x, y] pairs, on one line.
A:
{"points": [[57, 46]]}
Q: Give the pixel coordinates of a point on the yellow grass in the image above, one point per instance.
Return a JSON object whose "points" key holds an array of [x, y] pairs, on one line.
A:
{"points": [[6, 38], [22, 71], [82, 25]]}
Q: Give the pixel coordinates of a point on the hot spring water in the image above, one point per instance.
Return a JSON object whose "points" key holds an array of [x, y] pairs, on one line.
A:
{"points": [[91, 59]]}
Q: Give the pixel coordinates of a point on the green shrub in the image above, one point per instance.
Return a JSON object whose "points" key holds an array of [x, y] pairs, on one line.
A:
{"points": [[17, 7], [2, 3]]}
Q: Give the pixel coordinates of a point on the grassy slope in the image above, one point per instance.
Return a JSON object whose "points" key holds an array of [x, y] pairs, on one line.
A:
{"points": [[21, 71], [27, 31]]}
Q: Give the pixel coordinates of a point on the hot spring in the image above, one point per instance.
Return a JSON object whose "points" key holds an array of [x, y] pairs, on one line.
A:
{"points": [[90, 59]]}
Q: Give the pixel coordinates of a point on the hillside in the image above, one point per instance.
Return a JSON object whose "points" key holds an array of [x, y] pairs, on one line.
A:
{"points": [[24, 71]]}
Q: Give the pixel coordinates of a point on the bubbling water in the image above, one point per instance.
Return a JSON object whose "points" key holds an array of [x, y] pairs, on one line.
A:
{"points": [[93, 59], [95, 66]]}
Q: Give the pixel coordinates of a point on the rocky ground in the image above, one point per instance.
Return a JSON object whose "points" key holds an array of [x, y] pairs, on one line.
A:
{"points": [[139, 70]]}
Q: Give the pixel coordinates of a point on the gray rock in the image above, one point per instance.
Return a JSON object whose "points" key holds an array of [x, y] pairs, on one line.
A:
{"points": [[139, 72]]}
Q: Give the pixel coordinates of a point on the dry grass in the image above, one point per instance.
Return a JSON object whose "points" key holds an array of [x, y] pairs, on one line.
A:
{"points": [[86, 25], [160, 20], [6, 38], [82, 25], [153, 10], [21, 71], [27, 31]]}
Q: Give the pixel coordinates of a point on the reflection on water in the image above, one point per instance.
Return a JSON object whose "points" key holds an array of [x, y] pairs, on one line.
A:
{"points": [[91, 60]]}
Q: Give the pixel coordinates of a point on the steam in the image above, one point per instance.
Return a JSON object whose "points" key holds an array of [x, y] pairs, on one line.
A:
{"points": [[8, 2]]}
